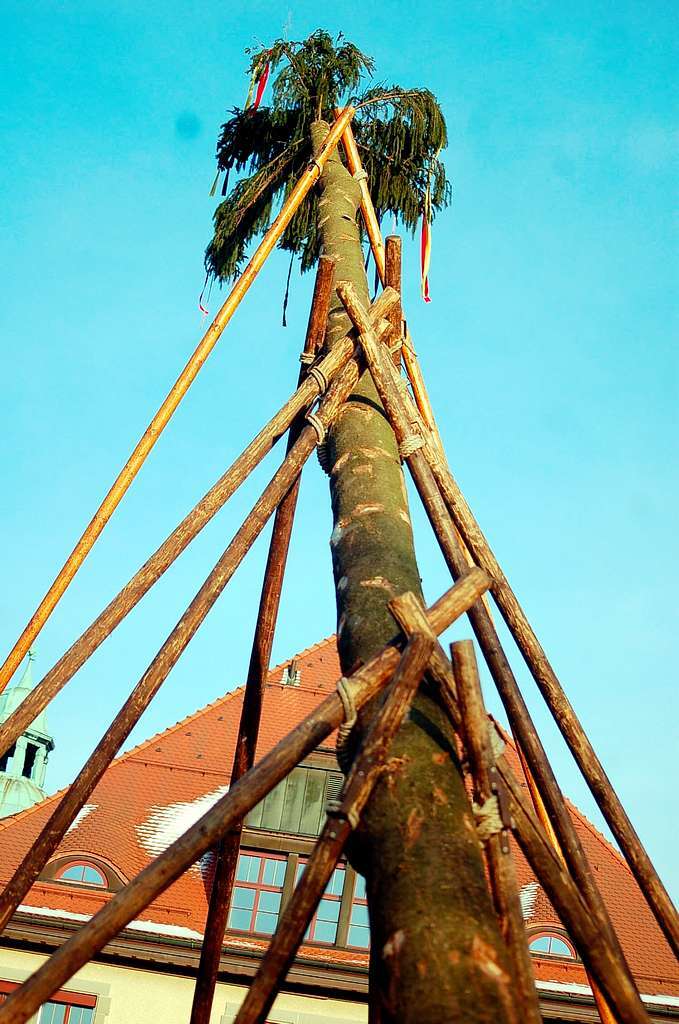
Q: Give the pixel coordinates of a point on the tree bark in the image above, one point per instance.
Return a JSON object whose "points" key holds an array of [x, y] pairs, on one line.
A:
{"points": [[436, 950]]}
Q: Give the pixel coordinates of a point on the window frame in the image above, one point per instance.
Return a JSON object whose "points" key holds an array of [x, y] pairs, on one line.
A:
{"points": [[292, 858], [551, 933], [357, 901], [280, 802], [82, 862], [339, 899], [258, 886], [72, 1000]]}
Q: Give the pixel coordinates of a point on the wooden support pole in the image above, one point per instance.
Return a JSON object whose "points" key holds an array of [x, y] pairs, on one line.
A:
{"points": [[365, 684], [600, 959], [226, 853], [499, 859], [168, 655], [595, 948], [174, 397], [377, 245], [603, 1009], [372, 225], [478, 549], [562, 710], [181, 537], [392, 279], [515, 706], [366, 771]]}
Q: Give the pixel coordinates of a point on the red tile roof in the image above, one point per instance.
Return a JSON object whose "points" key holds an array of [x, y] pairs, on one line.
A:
{"points": [[152, 793]]}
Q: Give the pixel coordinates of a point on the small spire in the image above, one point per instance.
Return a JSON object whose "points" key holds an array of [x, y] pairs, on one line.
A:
{"points": [[26, 680]]}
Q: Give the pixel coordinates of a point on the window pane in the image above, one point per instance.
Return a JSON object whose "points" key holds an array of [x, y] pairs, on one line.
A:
{"points": [[240, 919], [314, 803], [559, 948], [299, 871], [359, 890], [243, 899], [53, 1013], [272, 810], [274, 872], [293, 803], [81, 1015], [266, 923], [254, 818], [325, 931], [93, 876], [248, 868], [336, 883], [359, 914], [74, 873], [540, 945], [328, 910], [359, 936], [269, 901]]}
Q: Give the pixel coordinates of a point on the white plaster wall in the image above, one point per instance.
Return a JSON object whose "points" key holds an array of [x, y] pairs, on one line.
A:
{"points": [[129, 996]]}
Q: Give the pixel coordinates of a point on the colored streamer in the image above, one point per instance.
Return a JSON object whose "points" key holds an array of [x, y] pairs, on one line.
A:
{"points": [[425, 251], [201, 307], [261, 86]]}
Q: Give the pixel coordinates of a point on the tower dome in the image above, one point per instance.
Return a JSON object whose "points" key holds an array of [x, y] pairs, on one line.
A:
{"points": [[23, 766]]}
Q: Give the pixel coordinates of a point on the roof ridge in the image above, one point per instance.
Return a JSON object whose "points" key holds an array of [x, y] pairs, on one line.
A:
{"points": [[599, 835], [12, 819], [178, 725], [305, 652], [223, 699], [133, 752]]}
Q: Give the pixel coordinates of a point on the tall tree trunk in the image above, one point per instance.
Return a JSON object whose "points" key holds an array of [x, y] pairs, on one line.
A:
{"points": [[436, 951]]}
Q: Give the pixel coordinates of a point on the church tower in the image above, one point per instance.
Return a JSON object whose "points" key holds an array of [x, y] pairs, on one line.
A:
{"points": [[23, 766]]}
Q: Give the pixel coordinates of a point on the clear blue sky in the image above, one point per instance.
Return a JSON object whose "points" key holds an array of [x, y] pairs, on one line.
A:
{"points": [[549, 346]]}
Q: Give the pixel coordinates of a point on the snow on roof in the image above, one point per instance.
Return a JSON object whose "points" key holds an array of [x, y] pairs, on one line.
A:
{"points": [[573, 988], [528, 897], [80, 816], [166, 823]]}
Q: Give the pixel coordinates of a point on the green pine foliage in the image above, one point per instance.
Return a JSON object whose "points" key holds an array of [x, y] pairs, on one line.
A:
{"points": [[400, 134]]}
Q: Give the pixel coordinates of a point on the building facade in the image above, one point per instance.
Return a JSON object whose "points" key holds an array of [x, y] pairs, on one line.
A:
{"points": [[150, 795]]}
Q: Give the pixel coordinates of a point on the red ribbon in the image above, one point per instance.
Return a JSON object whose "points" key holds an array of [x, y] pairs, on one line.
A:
{"points": [[261, 86], [201, 307], [425, 255]]}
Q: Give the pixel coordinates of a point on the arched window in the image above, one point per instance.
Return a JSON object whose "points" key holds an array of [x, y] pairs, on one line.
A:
{"points": [[551, 944], [81, 871]]}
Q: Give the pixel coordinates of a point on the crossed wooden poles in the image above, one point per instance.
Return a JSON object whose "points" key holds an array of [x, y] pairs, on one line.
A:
{"points": [[547, 836]]}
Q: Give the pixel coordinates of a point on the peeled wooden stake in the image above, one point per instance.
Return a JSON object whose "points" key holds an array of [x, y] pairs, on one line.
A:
{"points": [[226, 854], [341, 821], [501, 869]]}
